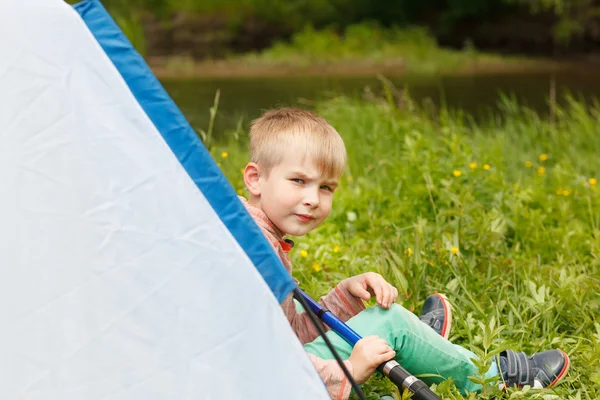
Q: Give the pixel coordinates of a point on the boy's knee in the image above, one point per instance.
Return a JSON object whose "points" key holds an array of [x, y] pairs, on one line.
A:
{"points": [[396, 313], [397, 309]]}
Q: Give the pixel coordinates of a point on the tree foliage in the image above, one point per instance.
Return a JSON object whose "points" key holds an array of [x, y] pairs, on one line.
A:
{"points": [[572, 15], [570, 18]]}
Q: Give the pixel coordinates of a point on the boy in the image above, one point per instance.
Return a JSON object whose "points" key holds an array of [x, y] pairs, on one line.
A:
{"points": [[296, 160]]}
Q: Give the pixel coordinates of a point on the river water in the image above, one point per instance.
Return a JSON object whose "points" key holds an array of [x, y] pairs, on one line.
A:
{"points": [[242, 99]]}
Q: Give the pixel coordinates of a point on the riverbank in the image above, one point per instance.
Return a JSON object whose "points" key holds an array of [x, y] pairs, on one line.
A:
{"points": [[361, 50], [181, 67]]}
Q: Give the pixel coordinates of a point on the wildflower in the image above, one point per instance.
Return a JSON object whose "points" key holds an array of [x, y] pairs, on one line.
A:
{"points": [[408, 252], [543, 157], [566, 192], [336, 249], [316, 267], [243, 170], [224, 154], [454, 250], [593, 181], [528, 164], [473, 165], [487, 167], [456, 173], [541, 171], [240, 192], [303, 253]]}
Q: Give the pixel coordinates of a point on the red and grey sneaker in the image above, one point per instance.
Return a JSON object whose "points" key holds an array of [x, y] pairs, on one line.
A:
{"points": [[541, 370], [437, 313]]}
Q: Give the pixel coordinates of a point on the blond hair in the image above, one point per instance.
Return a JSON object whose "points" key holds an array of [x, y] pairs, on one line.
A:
{"points": [[292, 128]]}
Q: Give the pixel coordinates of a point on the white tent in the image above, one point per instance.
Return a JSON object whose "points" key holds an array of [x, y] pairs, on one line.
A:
{"points": [[128, 268]]}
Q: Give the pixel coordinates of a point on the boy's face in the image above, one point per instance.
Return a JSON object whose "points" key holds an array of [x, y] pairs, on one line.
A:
{"points": [[294, 195]]}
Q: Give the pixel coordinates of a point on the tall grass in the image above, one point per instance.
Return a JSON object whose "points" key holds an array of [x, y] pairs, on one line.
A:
{"points": [[503, 217], [414, 48]]}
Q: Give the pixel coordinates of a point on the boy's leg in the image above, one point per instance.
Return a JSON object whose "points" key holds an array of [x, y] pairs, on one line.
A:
{"points": [[419, 349]]}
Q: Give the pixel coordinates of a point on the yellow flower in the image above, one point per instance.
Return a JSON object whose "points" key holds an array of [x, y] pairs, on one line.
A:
{"points": [[473, 165], [454, 250], [224, 154], [593, 181], [566, 192], [541, 171], [487, 167], [456, 173], [408, 252], [528, 164], [316, 267], [303, 253], [240, 192], [543, 157], [336, 249], [243, 170]]}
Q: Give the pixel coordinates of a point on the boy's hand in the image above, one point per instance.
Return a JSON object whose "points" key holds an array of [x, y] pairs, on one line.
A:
{"points": [[368, 284], [368, 353]]}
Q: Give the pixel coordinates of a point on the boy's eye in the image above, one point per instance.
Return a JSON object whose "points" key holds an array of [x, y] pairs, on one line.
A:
{"points": [[325, 187], [297, 180]]}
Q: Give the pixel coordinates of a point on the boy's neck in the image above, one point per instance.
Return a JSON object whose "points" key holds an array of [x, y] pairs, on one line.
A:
{"points": [[254, 201]]}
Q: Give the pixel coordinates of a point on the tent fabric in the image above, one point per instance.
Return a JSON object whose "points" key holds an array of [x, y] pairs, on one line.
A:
{"points": [[186, 145], [119, 278]]}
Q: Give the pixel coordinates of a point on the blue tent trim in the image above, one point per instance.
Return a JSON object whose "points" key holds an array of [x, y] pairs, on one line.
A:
{"points": [[185, 144]]}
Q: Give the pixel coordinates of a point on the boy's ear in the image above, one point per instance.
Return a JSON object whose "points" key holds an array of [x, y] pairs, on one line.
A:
{"points": [[251, 178]]}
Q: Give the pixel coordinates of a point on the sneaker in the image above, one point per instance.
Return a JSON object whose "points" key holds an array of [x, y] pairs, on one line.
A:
{"points": [[437, 313], [541, 370]]}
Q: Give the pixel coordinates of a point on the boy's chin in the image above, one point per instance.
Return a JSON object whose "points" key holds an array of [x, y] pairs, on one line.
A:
{"points": [[297, 231], [294, 228]]}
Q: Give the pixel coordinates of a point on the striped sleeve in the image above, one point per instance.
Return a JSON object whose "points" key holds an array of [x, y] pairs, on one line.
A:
{"points": [[337, 383], [342, 304]]}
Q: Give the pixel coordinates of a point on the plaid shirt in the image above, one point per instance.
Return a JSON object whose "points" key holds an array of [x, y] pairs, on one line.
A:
{"points": [[339, 301]]}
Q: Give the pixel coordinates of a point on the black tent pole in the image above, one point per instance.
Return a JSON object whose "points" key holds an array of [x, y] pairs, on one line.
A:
{"points": [[299, 295]]}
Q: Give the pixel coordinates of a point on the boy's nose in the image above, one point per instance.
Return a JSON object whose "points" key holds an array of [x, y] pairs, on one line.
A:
{"points": [[311, 199]]}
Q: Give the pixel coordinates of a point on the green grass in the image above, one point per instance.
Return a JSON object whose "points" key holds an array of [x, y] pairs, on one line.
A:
{"points": [[527, 272], [413, 49]]}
